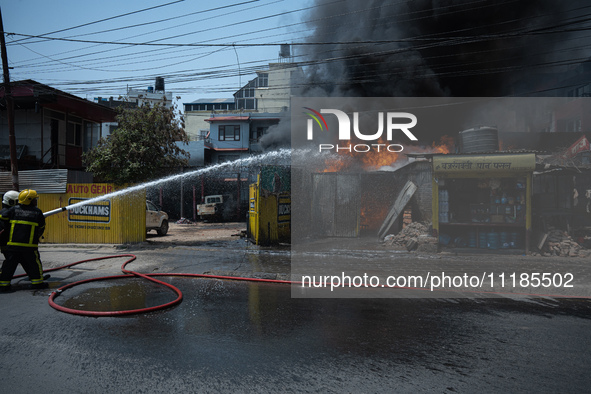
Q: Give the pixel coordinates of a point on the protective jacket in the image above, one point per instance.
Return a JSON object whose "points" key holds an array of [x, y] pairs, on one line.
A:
{"points": [[3, 232], [25, 224]]}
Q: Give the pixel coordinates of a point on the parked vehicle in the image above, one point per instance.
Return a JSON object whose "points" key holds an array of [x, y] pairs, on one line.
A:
{"points": [[156, 219], [217, 207]]}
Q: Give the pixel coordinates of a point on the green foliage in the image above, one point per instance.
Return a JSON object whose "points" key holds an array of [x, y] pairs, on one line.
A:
{"points": [[142, 148]]}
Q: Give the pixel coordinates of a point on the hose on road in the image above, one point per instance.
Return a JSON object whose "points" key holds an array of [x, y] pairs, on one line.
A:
{"points": [[132, 274]]}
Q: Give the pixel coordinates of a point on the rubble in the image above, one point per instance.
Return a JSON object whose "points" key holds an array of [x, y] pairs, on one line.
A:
{"points": [[559, 243], [414, 236]]}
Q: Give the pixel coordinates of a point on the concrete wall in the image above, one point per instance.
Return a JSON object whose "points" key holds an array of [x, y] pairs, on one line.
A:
{"points": [[195, 122], [283, 78]]}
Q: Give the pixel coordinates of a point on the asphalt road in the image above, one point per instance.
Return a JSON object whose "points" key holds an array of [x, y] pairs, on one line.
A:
{"points": [[231, 336]]}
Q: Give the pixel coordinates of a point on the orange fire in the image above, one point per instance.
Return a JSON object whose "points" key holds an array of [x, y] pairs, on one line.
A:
{"points": [[444, 146], [372, 215], [380, 157], [502, 146]]}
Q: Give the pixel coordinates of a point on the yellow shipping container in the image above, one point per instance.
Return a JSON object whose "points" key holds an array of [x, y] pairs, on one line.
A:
{"points": [[269, 216], [116, 220]]}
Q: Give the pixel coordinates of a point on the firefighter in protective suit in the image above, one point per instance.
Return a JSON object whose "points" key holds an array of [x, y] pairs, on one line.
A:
{"points": [[9, 199], [25, 224]]}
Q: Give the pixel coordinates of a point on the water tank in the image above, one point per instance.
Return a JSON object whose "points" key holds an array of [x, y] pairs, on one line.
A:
{"points": [[284, 50], [479, 139], [159, 84]]}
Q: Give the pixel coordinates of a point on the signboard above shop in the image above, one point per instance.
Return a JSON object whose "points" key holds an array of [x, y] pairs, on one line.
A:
{"points": [[484, 165]]}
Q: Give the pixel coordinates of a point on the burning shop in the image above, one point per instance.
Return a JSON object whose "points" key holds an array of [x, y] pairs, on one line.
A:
{"points": [[483, 200]]}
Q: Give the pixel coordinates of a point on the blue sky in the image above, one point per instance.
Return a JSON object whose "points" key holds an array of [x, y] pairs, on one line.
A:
{"points": [[99, 69], [362, 48]]}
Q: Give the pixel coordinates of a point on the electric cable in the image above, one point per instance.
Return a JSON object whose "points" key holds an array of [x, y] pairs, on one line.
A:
{"points": [[374, 43], [387, 19], [115, 17], [180, 78]]}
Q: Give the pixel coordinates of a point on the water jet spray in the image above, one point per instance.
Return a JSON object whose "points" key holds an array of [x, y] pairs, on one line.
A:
{"points": [[282, 153]]}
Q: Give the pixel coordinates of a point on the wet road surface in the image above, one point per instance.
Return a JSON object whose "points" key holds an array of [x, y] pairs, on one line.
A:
{"points": [[249, 337]]}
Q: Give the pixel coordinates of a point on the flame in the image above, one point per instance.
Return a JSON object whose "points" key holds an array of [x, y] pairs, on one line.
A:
{"points": [[377, 159], [445, 144], [502, 146], [379, 156], [372, 216]]}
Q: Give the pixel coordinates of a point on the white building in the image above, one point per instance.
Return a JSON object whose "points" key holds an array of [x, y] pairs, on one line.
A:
{"points": [[135, 98], [152, 95], [271, 90], [198, 111]]}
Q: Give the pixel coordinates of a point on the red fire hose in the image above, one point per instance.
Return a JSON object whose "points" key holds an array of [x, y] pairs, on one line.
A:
{"points": [[131, 274]]}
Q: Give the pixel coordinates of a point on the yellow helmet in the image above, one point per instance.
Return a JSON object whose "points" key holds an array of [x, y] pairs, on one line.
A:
{"points": [[27, 196]]}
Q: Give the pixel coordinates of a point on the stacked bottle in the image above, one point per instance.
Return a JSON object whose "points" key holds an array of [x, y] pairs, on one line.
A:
{"points": [[504, 237], [472, 239], [514, 240], [482, 241], [443, 206], [493, 240]]}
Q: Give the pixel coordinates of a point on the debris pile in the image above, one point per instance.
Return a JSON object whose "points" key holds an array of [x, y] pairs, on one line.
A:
{"points": [[184, 221], [559, 243], [414, 236]]}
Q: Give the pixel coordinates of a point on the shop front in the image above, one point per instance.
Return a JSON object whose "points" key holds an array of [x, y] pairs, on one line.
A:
{"points": [[483, 201]]}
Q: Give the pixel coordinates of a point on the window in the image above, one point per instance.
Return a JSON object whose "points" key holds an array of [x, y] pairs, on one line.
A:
{"points": [[92, 135], [256, 134], [151, 207], [229, 133], [74, 134], [263, 80]]}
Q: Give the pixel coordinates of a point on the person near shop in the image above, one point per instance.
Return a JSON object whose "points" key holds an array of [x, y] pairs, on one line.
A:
{"points": [[25, 224]]}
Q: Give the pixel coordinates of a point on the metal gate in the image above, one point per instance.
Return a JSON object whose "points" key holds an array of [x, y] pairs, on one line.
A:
{"points": [[336, 204]]}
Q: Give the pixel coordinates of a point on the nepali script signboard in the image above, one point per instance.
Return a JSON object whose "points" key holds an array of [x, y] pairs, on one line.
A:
{"points": [[473, 165]]}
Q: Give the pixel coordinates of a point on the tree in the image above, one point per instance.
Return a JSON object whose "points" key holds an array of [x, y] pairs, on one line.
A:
{"points": [[142, 147]]}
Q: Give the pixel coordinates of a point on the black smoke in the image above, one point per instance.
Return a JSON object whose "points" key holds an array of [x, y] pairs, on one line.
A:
{"points": [[468, 48]]}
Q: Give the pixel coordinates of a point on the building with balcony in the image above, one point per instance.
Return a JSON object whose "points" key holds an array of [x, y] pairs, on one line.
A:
{"points": [[236, 136], [53, 128], [197, 113]]}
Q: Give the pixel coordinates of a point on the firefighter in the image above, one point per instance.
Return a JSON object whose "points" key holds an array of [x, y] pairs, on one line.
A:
{"points": [[9, 199], [25, 224]]}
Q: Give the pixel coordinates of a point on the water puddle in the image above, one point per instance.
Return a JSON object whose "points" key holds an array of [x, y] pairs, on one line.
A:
{"points": [[115, 295]]}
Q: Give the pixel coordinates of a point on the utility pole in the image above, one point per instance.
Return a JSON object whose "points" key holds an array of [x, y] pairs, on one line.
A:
{"points": [[9, 108]]}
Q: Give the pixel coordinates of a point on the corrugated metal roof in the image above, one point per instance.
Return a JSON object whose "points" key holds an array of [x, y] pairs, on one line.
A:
{"points": [[212, 101], [43, 181]]}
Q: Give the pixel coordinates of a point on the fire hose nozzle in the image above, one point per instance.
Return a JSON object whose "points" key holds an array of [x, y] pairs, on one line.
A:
{"points": [[53, 212]]}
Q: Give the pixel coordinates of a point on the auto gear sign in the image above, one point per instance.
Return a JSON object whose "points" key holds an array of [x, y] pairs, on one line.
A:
{"points": [[120, 219]]}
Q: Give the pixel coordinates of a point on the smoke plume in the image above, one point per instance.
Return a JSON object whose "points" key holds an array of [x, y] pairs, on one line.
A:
{"points": [[458, 48]]}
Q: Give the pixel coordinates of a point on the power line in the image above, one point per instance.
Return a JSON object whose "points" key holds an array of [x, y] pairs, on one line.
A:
{"points": [[102, 52], [428, 42], [168, 19], [388, 21], [115, 17]]}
